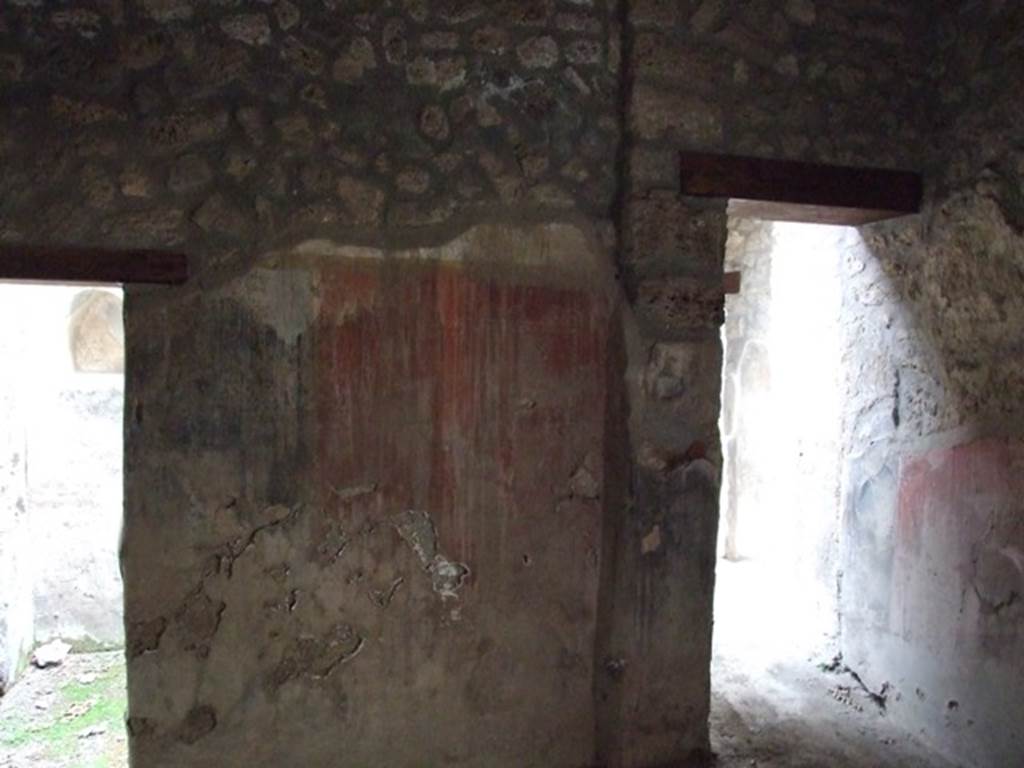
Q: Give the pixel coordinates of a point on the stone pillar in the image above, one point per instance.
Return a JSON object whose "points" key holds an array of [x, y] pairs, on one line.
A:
{"points": [[653, 683], [373, 535]]}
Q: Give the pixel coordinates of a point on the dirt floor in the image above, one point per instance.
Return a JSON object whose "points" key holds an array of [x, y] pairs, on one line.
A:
{"points": [[774, 706], [798, 717], [71, 716], [770, 709]]}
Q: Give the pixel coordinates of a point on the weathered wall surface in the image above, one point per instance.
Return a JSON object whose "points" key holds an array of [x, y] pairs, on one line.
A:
{"points": [[411, 545], [930, 498], [232, 132], [929, 383], [66, 426], [209, 126], [792, 80], [229, 133]]}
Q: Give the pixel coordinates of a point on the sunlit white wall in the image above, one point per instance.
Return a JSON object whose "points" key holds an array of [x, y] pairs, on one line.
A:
{"points": [[16, 562], [782, 427], [72, 453]]}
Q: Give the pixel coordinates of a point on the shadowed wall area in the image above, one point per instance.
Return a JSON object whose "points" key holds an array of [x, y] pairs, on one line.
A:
{"points": [[422, 463]]}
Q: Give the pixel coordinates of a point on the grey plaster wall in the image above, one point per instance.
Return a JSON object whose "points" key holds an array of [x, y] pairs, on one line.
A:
{"points": [[390, 507]]}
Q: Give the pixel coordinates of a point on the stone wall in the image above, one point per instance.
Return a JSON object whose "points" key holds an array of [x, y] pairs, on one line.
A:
{"points": [[933, 568], [791, 80], [235, 135], [219, 129]]}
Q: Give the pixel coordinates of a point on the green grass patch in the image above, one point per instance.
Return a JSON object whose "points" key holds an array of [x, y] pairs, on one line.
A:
{"points": [[103, 702]]}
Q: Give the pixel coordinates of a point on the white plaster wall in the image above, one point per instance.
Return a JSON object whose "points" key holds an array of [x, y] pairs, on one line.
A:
{"points": [[16, 572], [73, 448]]}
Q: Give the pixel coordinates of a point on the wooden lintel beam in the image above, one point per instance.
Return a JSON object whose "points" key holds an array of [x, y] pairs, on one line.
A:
{"points": [[62, 264], [793, 191]]}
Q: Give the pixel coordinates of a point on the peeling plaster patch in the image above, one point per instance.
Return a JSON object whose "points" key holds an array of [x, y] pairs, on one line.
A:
{"points": [[278, 573], [332, 545], [555, 248], [382, 597], [668, 368], [583, 484], [447, 577], [199, 722], [145, 636], [317, 657], [417, 530], [281, 298], [652, 541], [275, 516], [996, 574], [199, 619], [347, 494]]}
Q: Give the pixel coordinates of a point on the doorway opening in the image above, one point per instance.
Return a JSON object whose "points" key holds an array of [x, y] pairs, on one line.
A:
{"points": [[794, 346], [62, 667]]}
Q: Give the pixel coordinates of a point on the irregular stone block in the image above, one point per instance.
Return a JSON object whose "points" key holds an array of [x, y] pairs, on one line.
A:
{"points": [[287, 15], [188, 173], [655, 13], [444, 73], [168, 10], [665, 232], [659, 55], [153, 228], [219, 215], [351, 66], [363, 201], [184, 129], [434, 123], [677, 116], [302, 57], [679, 306], [538, 52]]}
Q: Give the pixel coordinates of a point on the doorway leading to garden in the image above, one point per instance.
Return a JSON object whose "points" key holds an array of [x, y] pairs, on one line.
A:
{"points": [[62, 670], [797, 340]]}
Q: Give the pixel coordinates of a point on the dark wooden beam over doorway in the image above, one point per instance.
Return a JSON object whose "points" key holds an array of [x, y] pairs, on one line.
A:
{"points": [[62, 264], [784, 190]]}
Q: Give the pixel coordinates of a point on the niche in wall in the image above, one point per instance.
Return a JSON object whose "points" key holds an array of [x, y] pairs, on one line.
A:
{"points": [[96, 333]]}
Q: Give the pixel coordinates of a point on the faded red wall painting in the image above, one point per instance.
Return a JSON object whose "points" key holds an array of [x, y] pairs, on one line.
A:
{"points": [[959, 562], [460, 432]]}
